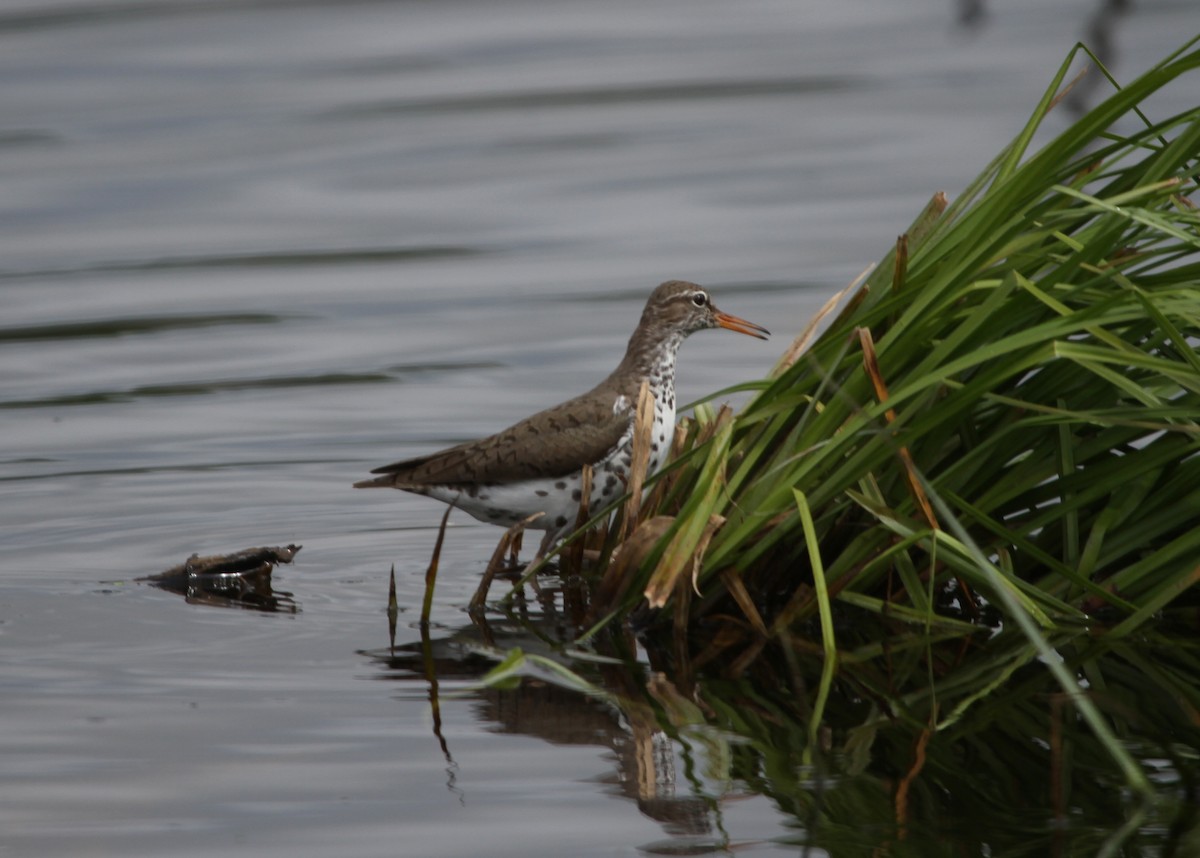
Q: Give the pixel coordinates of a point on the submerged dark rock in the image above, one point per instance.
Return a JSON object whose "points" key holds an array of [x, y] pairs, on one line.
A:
{"points": [[240, 579]]}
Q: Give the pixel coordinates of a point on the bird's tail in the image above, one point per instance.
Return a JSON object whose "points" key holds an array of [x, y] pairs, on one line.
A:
{"points": [[385, 482]]}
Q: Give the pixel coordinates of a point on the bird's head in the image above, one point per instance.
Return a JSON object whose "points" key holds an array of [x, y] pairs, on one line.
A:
{"points": [[678, 305]]}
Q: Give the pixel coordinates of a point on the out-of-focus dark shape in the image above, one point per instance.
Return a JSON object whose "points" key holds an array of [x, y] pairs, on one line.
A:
{"points": [[1100, 37], [971, 13], [1099, 34]]}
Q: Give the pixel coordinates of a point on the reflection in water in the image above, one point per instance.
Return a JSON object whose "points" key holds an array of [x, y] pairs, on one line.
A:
{"points": [[435, 701], [878, 777], [646, 769]]}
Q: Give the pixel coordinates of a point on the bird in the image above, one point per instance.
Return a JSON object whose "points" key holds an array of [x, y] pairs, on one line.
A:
{"points": [[535, 465]]}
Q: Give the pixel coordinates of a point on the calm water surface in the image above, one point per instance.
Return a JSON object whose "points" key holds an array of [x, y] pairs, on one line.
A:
{"points": [[249, 250]]}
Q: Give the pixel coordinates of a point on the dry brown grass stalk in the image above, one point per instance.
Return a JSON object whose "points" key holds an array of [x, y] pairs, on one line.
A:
{"points": [[871, 363], [679, 559], [639, 458], [625, 561], [800, 345]]}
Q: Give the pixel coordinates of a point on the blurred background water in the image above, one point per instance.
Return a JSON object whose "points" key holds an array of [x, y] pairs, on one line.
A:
{"points": [[251, 248]]}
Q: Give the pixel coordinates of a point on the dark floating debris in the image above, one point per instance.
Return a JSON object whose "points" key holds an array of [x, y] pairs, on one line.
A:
{"points": [[238, 580]]}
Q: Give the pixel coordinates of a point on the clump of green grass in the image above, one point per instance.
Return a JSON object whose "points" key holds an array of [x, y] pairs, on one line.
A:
{"points": [[996, 437]]}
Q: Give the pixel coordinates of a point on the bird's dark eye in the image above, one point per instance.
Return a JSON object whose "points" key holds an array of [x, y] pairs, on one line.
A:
{"points": [[699, 299]]}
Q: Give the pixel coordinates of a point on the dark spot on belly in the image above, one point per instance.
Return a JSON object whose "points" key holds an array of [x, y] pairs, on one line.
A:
{"points": [[561, 521], [541, 493], [560, 485], [576, 495], [654, 446], [493, 514], [610, 482], [607, 491]]}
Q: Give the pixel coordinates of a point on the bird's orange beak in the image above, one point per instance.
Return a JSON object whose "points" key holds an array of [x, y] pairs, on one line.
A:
{"points": [[733, 323]]}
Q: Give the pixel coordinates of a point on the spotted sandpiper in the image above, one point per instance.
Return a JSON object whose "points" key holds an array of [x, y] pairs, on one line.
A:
{"points": [[535, 466]]}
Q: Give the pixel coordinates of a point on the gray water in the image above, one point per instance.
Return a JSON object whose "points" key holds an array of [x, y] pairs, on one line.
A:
{"points": [[249, 250]]}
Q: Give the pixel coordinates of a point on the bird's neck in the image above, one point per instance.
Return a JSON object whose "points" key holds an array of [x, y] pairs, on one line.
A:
{"points": [[651, 355]]}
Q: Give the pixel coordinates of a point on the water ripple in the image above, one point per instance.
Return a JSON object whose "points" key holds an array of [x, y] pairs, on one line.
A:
{"points": [[267, 259], [203, 388], [132, 325], [200, 388], [670, 92]]}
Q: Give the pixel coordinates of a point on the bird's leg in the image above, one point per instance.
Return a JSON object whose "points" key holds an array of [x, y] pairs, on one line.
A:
{"points": [[551, 537], [514, 553], [547, 543], [479, 601], [544, 548]]}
